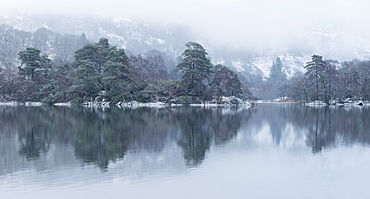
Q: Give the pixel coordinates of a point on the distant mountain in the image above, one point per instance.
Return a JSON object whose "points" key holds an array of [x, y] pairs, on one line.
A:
{"points": [[61, 36], [136, 36]]}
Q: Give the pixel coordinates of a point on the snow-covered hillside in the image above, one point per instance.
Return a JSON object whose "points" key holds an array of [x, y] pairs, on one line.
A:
{"points": [[140, 37], [297, 51]]}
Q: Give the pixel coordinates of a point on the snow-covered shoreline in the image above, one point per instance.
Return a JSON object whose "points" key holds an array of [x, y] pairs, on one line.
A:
{"points": [[338, 104], [230, 101], [13, 103], [133, 104]]}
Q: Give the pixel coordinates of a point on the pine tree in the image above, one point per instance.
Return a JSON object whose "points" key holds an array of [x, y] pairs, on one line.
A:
{"points": [[277, 81], [96, 53], [314, 72], [87, 82], [31, 61], [196, 69], [117, 77], [276, 72]]}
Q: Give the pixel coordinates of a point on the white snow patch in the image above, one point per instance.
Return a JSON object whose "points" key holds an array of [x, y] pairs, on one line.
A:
{"points": [[9, 103], [135, 104], [117, 37], [238, 65], [221, 61], [34, 104], [121, 19], [63, 104], [264, 64], [161, 41], [324, 34], [291, 64]]}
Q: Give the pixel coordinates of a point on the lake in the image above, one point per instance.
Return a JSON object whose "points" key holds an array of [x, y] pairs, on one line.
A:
{"points": [[265, 151]]}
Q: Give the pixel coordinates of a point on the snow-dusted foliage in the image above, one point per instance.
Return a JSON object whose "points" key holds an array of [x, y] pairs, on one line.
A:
{"points": [[59, 37]]}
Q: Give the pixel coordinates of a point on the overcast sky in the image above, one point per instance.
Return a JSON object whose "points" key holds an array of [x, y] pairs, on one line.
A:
{"points": [[267, 19]]}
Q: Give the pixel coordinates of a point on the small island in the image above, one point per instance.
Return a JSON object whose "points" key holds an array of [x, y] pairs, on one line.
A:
{"points": [[103, 74]]}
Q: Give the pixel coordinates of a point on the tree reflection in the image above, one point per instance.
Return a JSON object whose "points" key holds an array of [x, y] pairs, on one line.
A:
{"points": [[200, 125], [101, 136], [32, 144], [195, 136], [278, 123], [33, 134], [98, 139], [275, 116], [225, 123], [330, 126], [320, 134], [324, 127]]}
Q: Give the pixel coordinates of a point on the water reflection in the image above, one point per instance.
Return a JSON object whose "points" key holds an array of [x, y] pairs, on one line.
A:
{"points": [[102, 137], [199, 127], [105, 136], [322, 127], [339, 126]]}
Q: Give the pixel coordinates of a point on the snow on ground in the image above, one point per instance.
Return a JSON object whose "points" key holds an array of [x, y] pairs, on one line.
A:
{"points": [[19, 103], [9, 103], [238, 65], [63, 104], [117, 37], [161, 41], [292, 65], [264, 64]]}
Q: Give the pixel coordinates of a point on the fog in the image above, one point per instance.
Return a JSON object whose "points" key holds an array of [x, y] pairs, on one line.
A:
{"points": [[238, 22]]}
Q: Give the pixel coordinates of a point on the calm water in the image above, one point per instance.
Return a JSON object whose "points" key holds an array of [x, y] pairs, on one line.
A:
{"points": [[266, 151]]}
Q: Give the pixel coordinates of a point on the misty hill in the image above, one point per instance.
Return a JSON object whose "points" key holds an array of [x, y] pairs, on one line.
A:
{"points": [[60, 37]]}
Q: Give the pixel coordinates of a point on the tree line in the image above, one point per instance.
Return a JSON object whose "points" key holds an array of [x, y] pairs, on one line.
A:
{"points": [[104, 72], [328, 80], [323, 80]]}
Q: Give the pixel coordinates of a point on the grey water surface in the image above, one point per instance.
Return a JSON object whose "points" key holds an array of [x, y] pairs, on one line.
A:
{"points": [[265, 151]]}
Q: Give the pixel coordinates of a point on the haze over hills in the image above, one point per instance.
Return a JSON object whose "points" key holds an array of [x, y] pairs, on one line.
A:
{"points": [[139, 37]]}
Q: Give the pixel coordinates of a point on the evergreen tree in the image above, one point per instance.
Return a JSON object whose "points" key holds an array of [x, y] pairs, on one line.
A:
{"points": [[35, 75], [276, 72], [88, 52], [31, 61], [61, 82], [104, 50], [117, 81], [196, 69], [277, 82], [97, 53], [235, 85], [87, 85], [107, 67], [314, 72]]}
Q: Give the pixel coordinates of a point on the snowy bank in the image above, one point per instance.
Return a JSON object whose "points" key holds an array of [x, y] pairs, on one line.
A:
{"points": [[230, 101], [21, 103], [339, 104]]}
